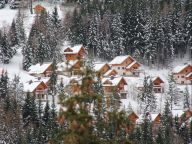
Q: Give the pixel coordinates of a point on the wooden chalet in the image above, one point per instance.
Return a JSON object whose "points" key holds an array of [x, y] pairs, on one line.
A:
{"points": [[76, 52], [110, 73], [38, 9], [125, 65], [183, 74], [158, 84], [132, 116], [70, 68], [37, 89], [41, 70], [114, 84], [101, 69]]}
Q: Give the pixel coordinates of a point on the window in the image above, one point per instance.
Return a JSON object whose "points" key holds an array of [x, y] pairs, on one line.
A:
{"points": [[182, 82], [178, 76], [118, 67], [123, 73], [186, 71], [123, 68], [182, 76]]}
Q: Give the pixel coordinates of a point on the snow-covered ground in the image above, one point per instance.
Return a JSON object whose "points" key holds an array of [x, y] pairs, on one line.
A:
{"points": [[6, 16], [15, 65]]}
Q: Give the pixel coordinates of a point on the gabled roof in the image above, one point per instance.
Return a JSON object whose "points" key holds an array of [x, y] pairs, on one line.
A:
{"points": [[44, 79], [30, 86], [73, 50], [155, 78], [110, 71], [39, 8], [39, 68], [132, 64], [99, 66], [119, 59], [114, 81], [178, 69]]}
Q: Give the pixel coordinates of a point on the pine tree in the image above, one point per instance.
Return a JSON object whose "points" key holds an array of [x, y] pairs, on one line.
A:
{"points": [[27, 57], [6, 51], [167, 124], [13, 35], [4, 85], [186, 104]]}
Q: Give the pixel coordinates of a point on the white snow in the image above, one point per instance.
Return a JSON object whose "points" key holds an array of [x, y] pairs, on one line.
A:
{"points": [[6, 16], [75, 49], [31, 85], [98, 66], [131, 64], [179, 68], [113, 80], [39, 68], [118, 60]]}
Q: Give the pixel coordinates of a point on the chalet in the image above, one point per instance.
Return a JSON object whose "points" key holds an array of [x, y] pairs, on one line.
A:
{"points": [[46, 80], [101, 68], [154, 118], [69, 68], [132, 116], [183, 74], [37, 89], [158, 84], [110, 73], [41, 70], [75, 86], [114, 84], [125, 65], [39, 9], [133, 69], [74, 53]]}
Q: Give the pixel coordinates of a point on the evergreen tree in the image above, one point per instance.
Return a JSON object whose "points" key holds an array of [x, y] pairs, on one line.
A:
{"points": [[13, 35], [186, 103], [4, 85], [6, 51]]}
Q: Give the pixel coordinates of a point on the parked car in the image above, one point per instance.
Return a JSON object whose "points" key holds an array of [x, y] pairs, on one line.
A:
{"points": [[2, 4]]}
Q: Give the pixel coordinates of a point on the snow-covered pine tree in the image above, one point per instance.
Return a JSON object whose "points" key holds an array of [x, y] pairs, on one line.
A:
{"points": [[13, 35], [27, 57], [6, 51], [186, 103], [21, 37], [173, 94], [4, 85], [147, 96], [117, 35], [29, 111], [167, 124]]}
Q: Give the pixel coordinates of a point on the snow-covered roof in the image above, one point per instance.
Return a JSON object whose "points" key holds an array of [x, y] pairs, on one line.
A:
{"points": [[154, 116], [131, 64], [177, 112], [30, 86], [75, 49], [119, 59], [99, 66], [44, 79], [108, 72], [39, 68], [178, 69], [156, 77], [66, 65], [113, 80]]}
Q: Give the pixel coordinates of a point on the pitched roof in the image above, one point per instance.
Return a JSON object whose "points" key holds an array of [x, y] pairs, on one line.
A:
{"points": [[131, 64], [38, 68], [74, 50], [98, 66], [178, 69], [119, 59], [109, 71], [30, 86], [156, 77], [114, 81], [44, 79]]}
